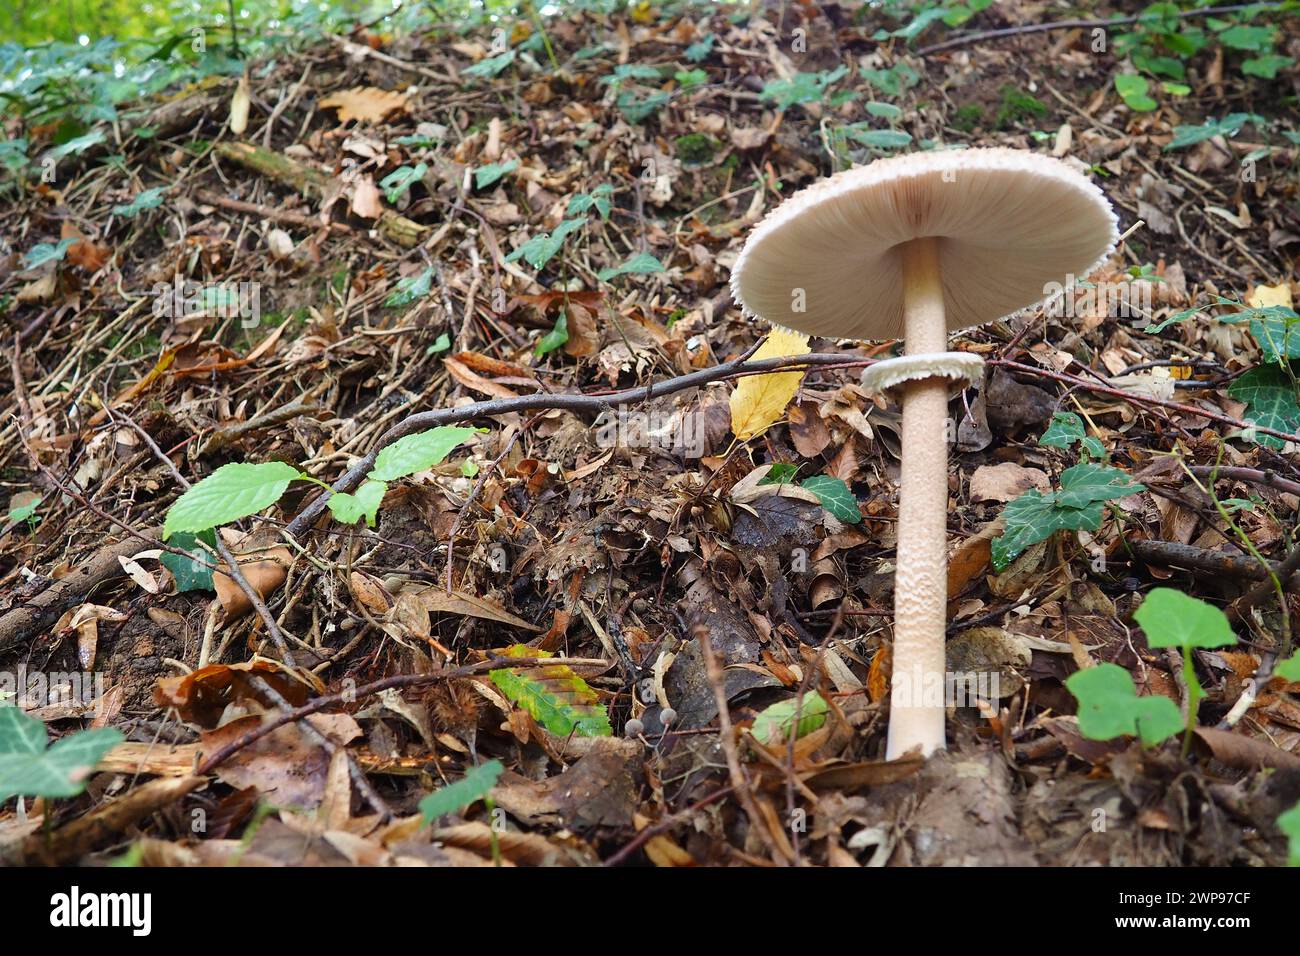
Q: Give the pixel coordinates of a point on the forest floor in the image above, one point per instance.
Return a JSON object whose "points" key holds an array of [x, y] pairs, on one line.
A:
{"points": [[351, 254]]}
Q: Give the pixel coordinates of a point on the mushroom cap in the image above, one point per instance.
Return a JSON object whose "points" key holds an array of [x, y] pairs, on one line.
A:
{"points": [[1008, 222]]}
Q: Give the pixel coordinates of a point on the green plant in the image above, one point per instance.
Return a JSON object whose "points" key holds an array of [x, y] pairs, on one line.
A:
{"points": [[801, 88], [399, 182], [1173, 619], [30, 768], [833, 493], [1109, 707], [240, 489], [1018, 106], [773, 725], [453, 798], [641, 264]]}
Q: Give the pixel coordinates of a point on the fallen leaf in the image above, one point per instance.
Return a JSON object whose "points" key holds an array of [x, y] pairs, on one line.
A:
{"points": [[365, 103], [759, 401]]}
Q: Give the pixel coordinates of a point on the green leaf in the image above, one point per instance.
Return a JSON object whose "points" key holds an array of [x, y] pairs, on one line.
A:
{"points": [[1289, 669], [1064, 430], [1171, 618], [597, 199], [1109, 707], [539, 250], [1227, 127], [801, 88], [24, 512], [1289, 824], [700, 49], [780, 473], [350, 509], [884, 110], [418, 452], [1089, 482], [149, 199], [1270, 403], [689, 79], [1133, 91], [78, 145], [554, 695], [231, 492], [1277, 330], [195, 572], [637, 108], [485, 176], [28, 769], [1243, 37], [49, 252], [491, 66], [835, 497], [555, 338], [410, 289], [1035, 517], [894, 80], [640, 264], [1266, 66], [1164, 323], [397, 183], [881, 138], [441, 344], [773, 725], [469, 789], [1092, 446]]}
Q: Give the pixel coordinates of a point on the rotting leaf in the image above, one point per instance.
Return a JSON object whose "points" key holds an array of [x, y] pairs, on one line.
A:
{"points": [[553, 695]]}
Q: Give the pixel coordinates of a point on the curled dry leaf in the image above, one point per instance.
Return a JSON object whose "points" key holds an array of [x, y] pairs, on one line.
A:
{"points": [[264, 567], [85, 619], [201, 696]]}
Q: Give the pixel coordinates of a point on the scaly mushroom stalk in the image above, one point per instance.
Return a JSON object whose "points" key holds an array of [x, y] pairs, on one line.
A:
{"points": [[921, 576]]}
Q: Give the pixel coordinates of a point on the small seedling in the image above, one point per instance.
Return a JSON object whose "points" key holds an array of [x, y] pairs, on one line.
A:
{"points": [[1109, 707], [28, 768]]}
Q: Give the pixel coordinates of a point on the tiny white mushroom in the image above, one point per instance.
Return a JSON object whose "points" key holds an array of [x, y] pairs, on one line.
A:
{"points": [[915, 247]]}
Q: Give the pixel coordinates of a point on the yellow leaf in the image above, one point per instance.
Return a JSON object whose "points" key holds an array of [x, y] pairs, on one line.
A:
{"points": [[1262, 296], [759, 401], [367, 103]]}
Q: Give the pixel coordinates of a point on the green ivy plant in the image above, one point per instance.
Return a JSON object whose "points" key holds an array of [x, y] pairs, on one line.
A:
{"points": [[29, 767]]}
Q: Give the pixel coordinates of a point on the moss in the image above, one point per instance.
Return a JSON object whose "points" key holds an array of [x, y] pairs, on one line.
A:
{"points": [[968, 117], [1018, 106], [695, 149]]}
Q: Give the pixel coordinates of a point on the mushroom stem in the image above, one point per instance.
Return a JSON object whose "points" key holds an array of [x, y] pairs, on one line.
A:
{"points": [[917, 709]]}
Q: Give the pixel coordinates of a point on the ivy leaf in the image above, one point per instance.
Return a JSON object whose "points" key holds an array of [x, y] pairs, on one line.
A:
{"points": [[28, 769], [1065, 429], [474, 786], [491, 66], [556, 338], [640, 264], [1271, 403], [49, 252], [539, 250], [149, 199], [1109, 707], [349, 509], [597, 199], [410, 289], [1093, 447], [399, 181], [78, 145], [195, 572], [1177, 317], [1089, 482], [418, 452], [835, 497], [231, 492], [1277, 330], [1267, 66], [1227, 127], [1035, 517], [441, 344], [485, 176], [554, 695], [773, 725], [1171, 618]]}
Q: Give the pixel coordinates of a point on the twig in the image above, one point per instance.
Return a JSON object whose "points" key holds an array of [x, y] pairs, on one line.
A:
{"points": [[579, 402], [666, 823], [1255, 476], [1200, 559]]}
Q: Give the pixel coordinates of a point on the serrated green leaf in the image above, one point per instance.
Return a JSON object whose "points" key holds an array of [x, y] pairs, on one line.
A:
{"points": [[149, 199], [643, 263], [1171, 618], [835, 497], [28, 769], [554, 695], [474, 786], [1064, 430], [231, 492], [1267, 66], [772, 726], [195, 572], [1109, 707], [485, 176], [350, 509], [410, 289], [418, 452], [1270, 403]]}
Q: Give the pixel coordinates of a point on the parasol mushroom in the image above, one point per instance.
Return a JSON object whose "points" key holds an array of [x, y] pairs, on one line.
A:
{"points": [[917, 246]]}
